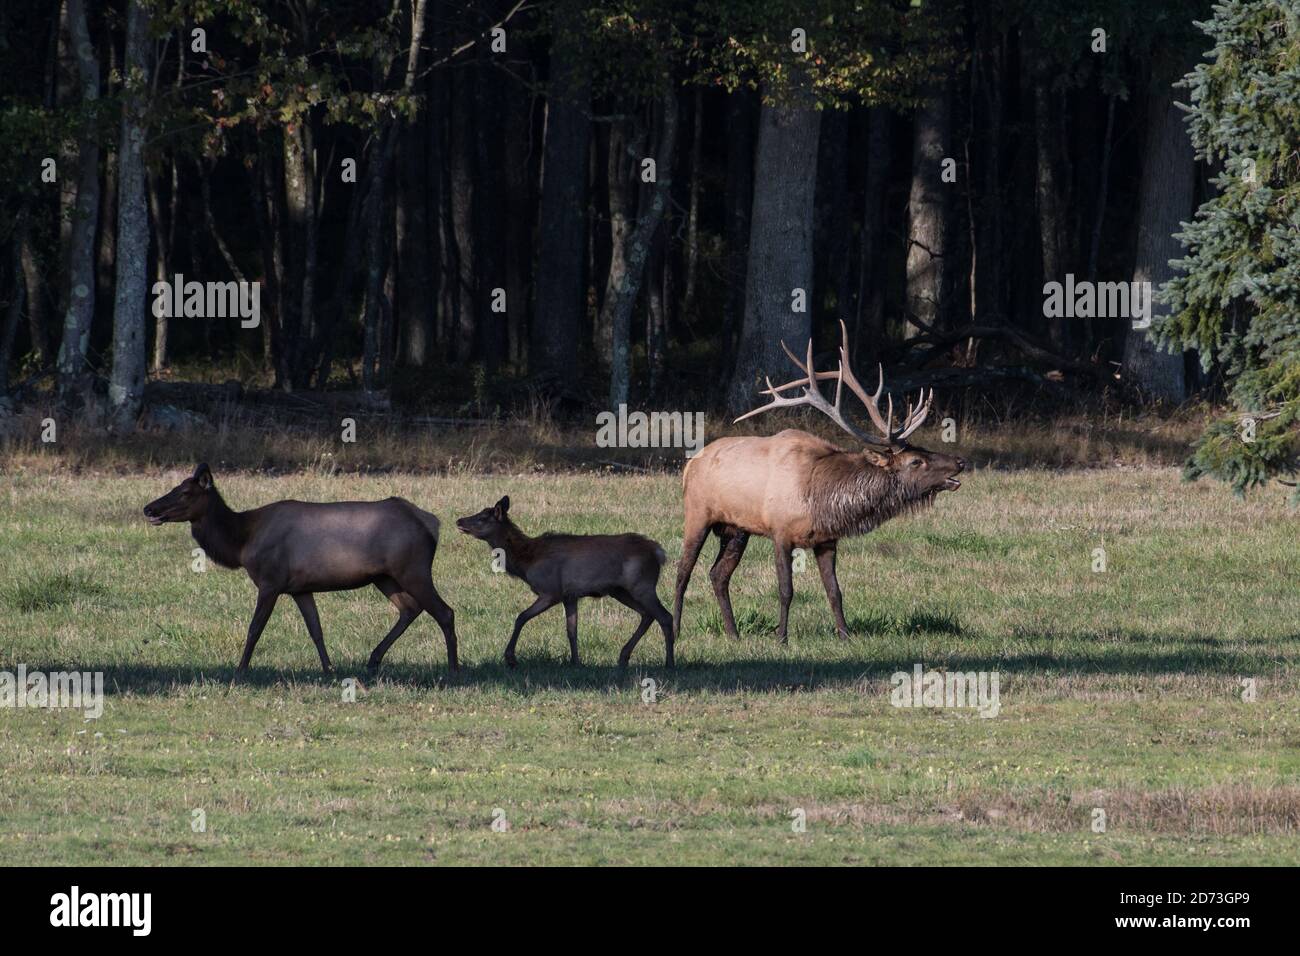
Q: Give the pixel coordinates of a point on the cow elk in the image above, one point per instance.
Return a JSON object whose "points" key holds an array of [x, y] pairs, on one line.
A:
{"points": [[566, 567], [804, 492], [299, 548]]}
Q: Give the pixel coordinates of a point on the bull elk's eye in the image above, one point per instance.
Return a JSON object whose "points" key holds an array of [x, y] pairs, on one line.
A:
{"points": [[917, 463]]}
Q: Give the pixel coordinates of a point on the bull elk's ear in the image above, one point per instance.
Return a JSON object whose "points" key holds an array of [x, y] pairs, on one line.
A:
{"points": [[203, 476], [877, 458], [503, 506]]}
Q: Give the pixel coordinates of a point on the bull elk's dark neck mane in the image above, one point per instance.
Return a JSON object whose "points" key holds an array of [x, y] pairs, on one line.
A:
{"points": [[848, 495], [221, 532]]}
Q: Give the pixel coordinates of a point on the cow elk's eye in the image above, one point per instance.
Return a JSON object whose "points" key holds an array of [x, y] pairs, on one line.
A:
{"points": [[917, 463]]}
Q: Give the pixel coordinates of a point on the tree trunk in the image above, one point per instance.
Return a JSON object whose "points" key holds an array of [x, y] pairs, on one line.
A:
{"points": [[414, 289], [489, 211], [74, 383], [161, 266], [464, 198], [1047, 192], [627, 147], [929, 207], [693, 207], [18, 296], [1166, 197], [126, 386], [562, 232], [780, 246], [738, 200], [871, 271], [621, 301]]}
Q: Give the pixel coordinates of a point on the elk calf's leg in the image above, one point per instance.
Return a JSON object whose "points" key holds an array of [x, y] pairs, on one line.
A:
{"points": [[625, 654], [826, 565], [571, 627], [261, 613], [543, 603], [731, 548], [784, 585], [307, 605]]}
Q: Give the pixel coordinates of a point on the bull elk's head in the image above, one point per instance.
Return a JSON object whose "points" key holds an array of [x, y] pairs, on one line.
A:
{"points": [[922, 472]]}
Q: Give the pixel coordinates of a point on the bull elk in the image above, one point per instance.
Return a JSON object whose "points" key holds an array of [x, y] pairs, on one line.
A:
{"points": [[299, 548], [804, 492]]}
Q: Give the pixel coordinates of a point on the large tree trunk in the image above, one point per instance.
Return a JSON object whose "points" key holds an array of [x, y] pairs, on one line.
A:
{"points": [[780, 246], [627, 147], [929, 206], [520, 178], [126, 386], [489, 214], [1166, 198], [74, 383], [621, 300], [738, 201], [463, 200], [1047, 193], [562, 233], [870, 331], [414, 288]]}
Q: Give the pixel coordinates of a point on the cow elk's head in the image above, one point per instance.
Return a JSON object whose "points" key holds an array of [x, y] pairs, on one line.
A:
{"points": [[188, 501], [918, 471]]}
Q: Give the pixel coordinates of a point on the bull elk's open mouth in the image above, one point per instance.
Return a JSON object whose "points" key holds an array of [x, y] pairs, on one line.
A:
{"points": [[952, 484]]}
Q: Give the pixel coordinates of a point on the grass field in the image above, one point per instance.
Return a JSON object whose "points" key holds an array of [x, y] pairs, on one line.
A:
{"points": [[1119, 690]]}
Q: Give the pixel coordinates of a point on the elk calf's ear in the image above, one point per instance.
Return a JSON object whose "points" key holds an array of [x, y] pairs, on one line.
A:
{"points": [[203, 476], [502, 507]]}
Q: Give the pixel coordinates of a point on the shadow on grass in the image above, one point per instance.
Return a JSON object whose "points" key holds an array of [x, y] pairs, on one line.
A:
{"points": [[1200, 656]]}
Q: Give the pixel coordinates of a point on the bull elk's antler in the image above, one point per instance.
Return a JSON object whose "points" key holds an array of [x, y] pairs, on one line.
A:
{"points": [[812, 396]]}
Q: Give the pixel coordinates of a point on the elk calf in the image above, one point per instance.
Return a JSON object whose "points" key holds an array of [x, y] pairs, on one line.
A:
{"points": [[566, 567], [299, 548]]}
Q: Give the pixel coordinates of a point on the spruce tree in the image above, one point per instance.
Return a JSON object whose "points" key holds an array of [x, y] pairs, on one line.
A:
{"points": [[1237, 300]]}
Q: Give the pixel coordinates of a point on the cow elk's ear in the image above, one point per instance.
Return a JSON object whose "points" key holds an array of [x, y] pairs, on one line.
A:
{"points": [[879, 459], [503, 505], [203, 477]]}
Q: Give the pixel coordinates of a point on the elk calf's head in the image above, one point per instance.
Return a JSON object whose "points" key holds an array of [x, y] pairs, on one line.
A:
{"points": [[188, 501], [489, 523]]}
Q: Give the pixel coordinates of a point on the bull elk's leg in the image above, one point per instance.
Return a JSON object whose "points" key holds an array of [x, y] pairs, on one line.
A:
{"points": [[784, 585], [731, 548], [307, 605], [826, 565], [571, 627], [261, 613], [692, 542], [543, 602], [408, 609]]}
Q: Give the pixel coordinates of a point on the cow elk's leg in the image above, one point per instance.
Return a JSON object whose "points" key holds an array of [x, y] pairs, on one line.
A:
{"points": [[543, 603], [692, 542], [826, 565], [408, 609], [307, 605], [426, 595], [784, 585], [261, 613], [571, 627], [731, 548]]}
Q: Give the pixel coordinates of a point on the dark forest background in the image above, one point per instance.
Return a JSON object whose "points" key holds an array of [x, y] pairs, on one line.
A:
{"points": [[502, 239]]}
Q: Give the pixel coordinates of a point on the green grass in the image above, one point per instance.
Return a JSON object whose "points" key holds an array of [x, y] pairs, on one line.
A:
{"points": [[1119, 690]]}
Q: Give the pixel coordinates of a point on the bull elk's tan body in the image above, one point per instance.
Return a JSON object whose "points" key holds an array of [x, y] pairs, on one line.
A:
{"points": [[804, 492], [760, 485]]}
